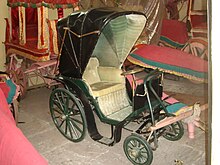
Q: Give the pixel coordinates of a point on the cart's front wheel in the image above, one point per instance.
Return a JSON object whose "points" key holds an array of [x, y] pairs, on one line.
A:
{"points": [[67, 114], [137, 150], [174, 131]]}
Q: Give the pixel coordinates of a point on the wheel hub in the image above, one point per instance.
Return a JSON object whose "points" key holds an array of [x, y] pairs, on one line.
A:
{"points": [[135, 152], [63, 117]]}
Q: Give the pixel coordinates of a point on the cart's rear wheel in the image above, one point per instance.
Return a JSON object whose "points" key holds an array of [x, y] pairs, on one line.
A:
{"points": [[174, 131], [68, 114], [137, 150]]}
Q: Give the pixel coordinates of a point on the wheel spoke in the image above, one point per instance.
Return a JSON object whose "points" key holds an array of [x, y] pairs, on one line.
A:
{"points": [[76, 126], [132, 143], [203, 54], [170, 133], [129, 147], [57, 110], [61, 124], [74, 130], [194, 51], [58, 104], [138, 144], [143, 157], [74, 112], [63, 102], [69, 126], [174, 129], [76, 120], [142, 148], [57, 117], [59, 101], [22, 85], [139, 159], [66, 103], [144, 152], [66, 125]]}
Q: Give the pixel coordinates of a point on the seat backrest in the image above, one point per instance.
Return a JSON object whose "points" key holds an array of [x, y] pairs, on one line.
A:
{"points": [[111, 74], [91, 73]]}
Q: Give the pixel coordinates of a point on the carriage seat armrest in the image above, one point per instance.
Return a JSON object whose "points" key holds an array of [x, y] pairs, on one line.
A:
{"points": [[110, 74]]}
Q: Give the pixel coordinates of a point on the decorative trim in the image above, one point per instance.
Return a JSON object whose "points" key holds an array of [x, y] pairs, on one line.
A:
{"points": [[22, 25], [173, 44], [42, 28], [55, 42], [10, 24], [48, 5], [28, 55], [197, 76]]}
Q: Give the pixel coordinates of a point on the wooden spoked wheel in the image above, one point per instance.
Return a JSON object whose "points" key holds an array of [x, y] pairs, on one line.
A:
{"points": [[137, 150], [68, 114], [19, 78], [197, 47], [174, 131], [16, 73]]}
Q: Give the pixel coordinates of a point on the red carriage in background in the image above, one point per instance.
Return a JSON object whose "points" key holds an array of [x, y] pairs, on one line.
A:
{"points": [[190, 32], [31, 40], [31, 36]]}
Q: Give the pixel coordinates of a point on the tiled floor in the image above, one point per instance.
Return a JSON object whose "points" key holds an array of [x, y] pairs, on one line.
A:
{"points": [[39, 129]]}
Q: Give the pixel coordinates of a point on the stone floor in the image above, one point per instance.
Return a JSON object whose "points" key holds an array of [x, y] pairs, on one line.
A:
{"points": [[37, 126]]}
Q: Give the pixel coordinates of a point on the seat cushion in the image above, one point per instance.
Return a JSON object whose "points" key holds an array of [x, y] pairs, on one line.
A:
{"points": [[106, 74], [103, 88]]}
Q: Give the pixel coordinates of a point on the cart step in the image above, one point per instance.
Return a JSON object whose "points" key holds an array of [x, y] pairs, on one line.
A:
{"points": [[106, 141]]}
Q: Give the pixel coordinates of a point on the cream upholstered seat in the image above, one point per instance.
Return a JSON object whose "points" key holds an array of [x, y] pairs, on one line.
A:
{"points": [[108, 86], [103, 80], [103, 88], [91, 73]]}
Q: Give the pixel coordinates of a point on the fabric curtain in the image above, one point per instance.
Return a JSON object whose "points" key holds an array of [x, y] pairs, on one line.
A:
{"points": [[45, 3], [14, 23], [31, 14]]}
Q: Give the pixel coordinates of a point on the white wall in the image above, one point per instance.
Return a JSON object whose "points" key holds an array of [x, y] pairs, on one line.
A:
{"points": [[198, 5], [3, 14], [53, 13], [215, 144]]}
